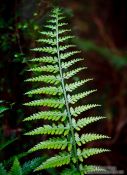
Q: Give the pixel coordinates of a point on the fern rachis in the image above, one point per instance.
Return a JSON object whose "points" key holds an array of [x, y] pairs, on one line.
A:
{"points": [[57, 66]]}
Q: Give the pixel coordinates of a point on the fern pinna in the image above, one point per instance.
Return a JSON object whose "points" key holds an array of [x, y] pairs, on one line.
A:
{"points": [[62, 115]]}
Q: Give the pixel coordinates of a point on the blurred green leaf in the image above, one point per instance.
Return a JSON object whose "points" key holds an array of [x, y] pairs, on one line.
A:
{"points": [[2, 109], [88, 45]]}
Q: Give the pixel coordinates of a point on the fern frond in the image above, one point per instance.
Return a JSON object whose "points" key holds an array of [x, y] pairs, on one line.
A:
{"points": [[30, 165], [54, 20], [61, 31], [50, 50], [60, 15], [49, 34], [47, 41], [55, 161], [61, 39], [48, 129], [75, 98], [51, 60], [50, 27], [62, 24], [48, 115], [46, 90], [52, 33], [63, 48], [56, 11], [88, 152], [78, 110], [45, 78], [86, 121], [60, 100], [49, 68], [70, 74], [53, 143], [16, 168], [68, 54], [85, 138], [53, 28], [66, 65], [55, 103], [72, 86]]}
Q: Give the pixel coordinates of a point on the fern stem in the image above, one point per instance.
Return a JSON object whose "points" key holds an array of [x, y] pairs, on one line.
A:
{"points": [[65, 94]]}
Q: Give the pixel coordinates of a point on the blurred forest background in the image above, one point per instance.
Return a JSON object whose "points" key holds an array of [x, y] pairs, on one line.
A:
{"points": [[100, 27]]}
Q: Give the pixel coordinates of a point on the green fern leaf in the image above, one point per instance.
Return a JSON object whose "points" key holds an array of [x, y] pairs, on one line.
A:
{"points": [[73, 72], [61, 17], [47, 41], [66, 65], [85, 138], [50, 50], [91, 137], [51, 60], [55, 103], [50, 27], [49, 34], [88, 152], [49, 68], [56, 11], [68, 54], [61, 31], [86, 121], [63, 48], [53, 28], [53, 15], [74, 98], [78, 110], [55, 161], [61, 39], [48, 115], [72, 86], [47, 129], [62, 24], [53, 143], [46, 90], [54, 20], [46, 79]]}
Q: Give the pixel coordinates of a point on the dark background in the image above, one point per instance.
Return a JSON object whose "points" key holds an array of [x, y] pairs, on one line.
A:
{"points": [[100, 27]]}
